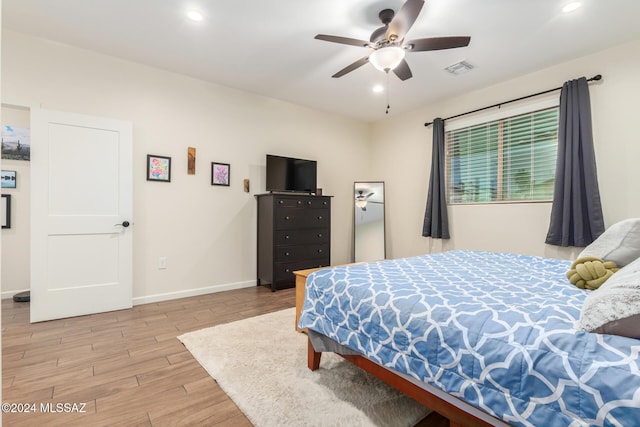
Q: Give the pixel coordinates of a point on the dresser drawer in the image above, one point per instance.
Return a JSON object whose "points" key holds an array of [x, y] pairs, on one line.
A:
{"points": [[317, 203], [301, 236], [290, 202], [301, 252], [290, 218], [301, 218], [284, 270], [318, 251], [317, 218], [290, 253]]}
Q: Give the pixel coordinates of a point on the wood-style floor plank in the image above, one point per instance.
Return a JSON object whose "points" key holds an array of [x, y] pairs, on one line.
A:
{"points": [[127, 366]]}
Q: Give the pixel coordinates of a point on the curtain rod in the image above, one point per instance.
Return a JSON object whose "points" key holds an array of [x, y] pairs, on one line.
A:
{"points": [[594, 78]]}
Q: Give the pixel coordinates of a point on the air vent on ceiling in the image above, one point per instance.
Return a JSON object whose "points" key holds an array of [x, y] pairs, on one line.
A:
{"points": [[459, 68]]}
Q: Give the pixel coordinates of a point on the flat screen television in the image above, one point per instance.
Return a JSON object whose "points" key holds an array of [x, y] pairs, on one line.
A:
{"points": [[290, 174]]}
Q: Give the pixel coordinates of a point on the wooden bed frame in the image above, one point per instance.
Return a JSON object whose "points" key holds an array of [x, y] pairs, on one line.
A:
{"points": [[458, 412]]}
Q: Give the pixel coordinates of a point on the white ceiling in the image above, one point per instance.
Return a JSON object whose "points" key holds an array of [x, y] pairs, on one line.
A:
{"points": [[267, 47]]}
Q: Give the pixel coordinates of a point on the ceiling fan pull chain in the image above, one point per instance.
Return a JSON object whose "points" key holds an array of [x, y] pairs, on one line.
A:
{"points": [[388, 105]]}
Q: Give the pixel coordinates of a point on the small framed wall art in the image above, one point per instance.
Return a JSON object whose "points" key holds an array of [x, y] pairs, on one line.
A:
{"points": [[158, 168], [191, 160], [9, 179], [5, 211], [16, 143], [220, 173]]}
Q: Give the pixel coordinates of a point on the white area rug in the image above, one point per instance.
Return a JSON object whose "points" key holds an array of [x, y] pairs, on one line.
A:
{"points": [[261, 363]]}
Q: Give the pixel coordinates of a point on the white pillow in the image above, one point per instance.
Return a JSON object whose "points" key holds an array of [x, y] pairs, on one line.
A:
{"points": [[619, 243], [614, 308]]}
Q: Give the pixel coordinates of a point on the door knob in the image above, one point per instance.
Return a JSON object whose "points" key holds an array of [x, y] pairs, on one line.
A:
{"points": [[125, 224]]}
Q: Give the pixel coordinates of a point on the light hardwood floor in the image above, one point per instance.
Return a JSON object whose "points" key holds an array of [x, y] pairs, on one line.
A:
{"points": [[127, 367]]}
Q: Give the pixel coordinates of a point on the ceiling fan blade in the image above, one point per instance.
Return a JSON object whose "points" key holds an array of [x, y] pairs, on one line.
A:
{"points": [[436, 43], [404, 19], [403, 71], [342, 40], [349, 68], [369, 195]]}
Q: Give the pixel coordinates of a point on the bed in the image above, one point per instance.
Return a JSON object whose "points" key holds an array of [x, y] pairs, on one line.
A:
{"points": [[485, 338]]}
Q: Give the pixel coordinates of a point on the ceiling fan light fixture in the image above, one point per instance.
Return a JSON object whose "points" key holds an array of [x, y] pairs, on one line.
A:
{"points": [[387, 58], [361, 203]]}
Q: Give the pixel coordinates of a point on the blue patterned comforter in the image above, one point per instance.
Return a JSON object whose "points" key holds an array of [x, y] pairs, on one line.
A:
{"points": [[496, 330]]}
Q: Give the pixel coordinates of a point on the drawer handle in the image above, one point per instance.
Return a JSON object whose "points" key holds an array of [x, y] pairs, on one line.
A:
{"points": [[324, 203], [319, 234], [286, 237], [319, 251], [309, 202], [281, 201], [287, 270], [299, 202], [319, 216], [286, 218], [287, 254]]}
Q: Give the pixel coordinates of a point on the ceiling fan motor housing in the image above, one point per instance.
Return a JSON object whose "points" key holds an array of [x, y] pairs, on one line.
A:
{"points": [[386, 16]]}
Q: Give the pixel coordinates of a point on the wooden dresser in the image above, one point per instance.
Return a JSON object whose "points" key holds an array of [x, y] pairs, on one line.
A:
{"points": [[294, 233]]}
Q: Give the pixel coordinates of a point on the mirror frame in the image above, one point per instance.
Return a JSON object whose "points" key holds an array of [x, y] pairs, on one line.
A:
{"points": [[384, 218]]}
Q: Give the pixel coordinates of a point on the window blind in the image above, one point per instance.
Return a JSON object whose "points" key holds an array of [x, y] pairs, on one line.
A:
{"points": [[507, 160]]}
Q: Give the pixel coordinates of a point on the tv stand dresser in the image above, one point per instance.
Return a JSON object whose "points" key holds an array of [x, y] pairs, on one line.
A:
{"points": [[294, 233]]}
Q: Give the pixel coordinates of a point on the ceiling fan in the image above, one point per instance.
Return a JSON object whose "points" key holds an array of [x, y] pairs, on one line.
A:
{"points": [[389, 45], [362, 200]]}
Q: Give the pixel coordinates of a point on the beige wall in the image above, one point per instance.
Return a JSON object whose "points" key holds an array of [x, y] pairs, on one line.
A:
{"points": [[207, 233], [15, 240], [517, 228]]}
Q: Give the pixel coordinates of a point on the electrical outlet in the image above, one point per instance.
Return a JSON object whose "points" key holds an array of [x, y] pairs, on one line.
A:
{"points": [[162, 263]]}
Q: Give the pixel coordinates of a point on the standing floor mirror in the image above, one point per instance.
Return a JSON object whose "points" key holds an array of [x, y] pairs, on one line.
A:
{"points": [[368, 221]]}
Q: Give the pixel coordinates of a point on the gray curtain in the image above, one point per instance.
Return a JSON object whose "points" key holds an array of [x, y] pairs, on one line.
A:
{"points": [[576, 213], [436, 220]]}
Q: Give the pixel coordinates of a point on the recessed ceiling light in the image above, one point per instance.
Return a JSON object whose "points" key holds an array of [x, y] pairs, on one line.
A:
{"points": [[570, 7], [378, 88], [194, 15]]}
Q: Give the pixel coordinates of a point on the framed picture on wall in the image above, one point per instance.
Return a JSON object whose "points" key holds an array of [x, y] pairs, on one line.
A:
{"points": [[16, 143], [191, 160], [5, 211], [158, 168], [220, 173], [9, 179]]}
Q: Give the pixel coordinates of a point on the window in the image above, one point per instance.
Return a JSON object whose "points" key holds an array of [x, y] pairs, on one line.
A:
{"points": [[507, 160]]}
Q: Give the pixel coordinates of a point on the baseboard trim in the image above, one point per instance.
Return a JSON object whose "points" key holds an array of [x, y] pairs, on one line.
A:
{"points": [[168, 295], [10, 294], [192, 292]]}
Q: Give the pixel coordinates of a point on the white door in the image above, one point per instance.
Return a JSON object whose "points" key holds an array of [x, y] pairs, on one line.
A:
{"points": [[81, 215]]}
